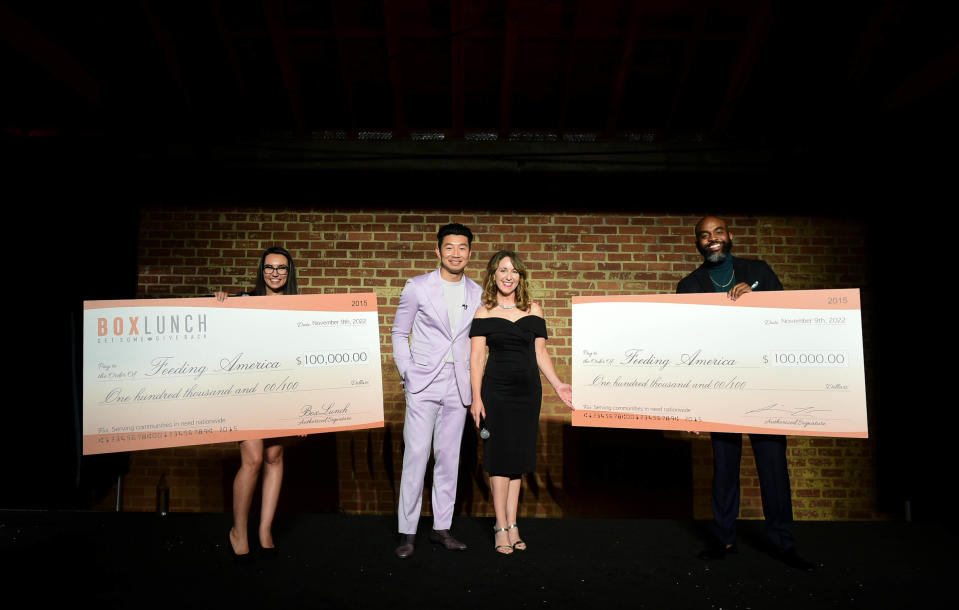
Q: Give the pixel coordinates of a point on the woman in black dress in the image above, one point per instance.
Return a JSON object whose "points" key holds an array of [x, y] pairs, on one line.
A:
{"points": [[507, 392], [275, 276]]}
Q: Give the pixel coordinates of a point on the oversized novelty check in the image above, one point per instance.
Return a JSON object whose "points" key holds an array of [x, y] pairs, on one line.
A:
{"points": [[785, 362], [164, 373]]}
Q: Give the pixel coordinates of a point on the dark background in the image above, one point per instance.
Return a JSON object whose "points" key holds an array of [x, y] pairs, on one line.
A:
{"points": [[750, 107]]}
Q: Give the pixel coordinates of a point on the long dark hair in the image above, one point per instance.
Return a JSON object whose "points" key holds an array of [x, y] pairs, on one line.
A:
{"points": [[290, 287]]}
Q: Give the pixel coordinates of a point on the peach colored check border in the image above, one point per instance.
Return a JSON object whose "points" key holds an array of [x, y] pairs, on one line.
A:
{"points": [[610, 419], [292, 302], [131, 441], [791, 299], [110, 443], [784, 299]]}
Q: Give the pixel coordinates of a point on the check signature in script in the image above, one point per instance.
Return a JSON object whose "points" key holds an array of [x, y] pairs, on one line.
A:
{"points": [[777, 409]]}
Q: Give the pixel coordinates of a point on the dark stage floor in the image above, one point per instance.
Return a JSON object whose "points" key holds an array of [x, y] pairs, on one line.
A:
{"points": [[110, 560]]}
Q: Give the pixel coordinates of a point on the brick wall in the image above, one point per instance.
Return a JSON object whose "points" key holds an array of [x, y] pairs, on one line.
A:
{"points": [[195, 250]]}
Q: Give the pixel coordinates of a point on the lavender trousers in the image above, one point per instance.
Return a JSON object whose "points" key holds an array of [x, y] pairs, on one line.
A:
{"points": [[435, 417]]}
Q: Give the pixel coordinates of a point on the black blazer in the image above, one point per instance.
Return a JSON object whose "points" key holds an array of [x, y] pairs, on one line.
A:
{"points": [[746, 270]]}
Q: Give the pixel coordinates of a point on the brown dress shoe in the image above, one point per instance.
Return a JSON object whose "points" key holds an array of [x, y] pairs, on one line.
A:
{"points": [[407, 545], [445, 538]]}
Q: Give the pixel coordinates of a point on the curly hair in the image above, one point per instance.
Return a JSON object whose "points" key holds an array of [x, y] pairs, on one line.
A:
{"points": [[489, 283]]}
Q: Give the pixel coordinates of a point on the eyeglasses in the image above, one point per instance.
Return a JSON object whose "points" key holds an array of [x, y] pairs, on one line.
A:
{"points": [[279, 270]]}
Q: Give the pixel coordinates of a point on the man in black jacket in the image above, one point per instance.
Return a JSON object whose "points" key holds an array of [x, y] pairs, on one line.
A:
{"points": [[722, 272]]}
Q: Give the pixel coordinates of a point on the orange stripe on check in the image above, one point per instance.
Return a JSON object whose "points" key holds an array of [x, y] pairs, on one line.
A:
{"points": [[844, 299], [607, 419], [360, 301], [135, 441]]}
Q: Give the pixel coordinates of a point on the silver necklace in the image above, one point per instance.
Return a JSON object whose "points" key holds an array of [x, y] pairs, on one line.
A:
{"points": [[513, 306]]}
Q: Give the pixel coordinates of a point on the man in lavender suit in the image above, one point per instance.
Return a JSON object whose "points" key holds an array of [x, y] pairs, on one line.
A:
{"points": [[431, 348]]}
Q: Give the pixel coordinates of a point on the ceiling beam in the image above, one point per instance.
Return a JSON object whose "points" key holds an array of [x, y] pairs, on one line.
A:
{"points": [[457, 69], [168, 50], [693, 39], [511, 41], [870, 38], [400, 128], [226, 38], [627, 49], [925, 81], [21, 35], [276, 24], [746, 58], [568, 79], [339, 33]]}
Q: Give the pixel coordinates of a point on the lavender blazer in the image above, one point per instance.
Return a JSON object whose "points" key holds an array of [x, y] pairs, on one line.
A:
{"points": [[422, 314]]}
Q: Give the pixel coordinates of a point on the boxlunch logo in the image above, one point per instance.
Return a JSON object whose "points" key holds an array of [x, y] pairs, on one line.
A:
{"points": [[135, 329]]}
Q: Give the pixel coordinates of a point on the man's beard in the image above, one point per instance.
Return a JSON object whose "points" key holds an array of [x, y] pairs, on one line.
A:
{"points": [[719, 255]]}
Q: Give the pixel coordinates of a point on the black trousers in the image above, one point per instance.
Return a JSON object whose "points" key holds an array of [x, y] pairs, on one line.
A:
{"points": [[770, 452]]}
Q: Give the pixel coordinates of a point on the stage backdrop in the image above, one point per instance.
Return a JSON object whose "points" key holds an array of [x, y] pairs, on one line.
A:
{"points": [[195, 250]]}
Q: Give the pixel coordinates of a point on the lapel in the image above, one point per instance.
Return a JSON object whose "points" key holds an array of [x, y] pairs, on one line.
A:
{"points": [[435, 296], [702, 276], [473, 293], [739, 268]]}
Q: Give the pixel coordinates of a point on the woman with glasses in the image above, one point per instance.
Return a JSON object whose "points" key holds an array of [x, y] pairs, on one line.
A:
{"points": [[276, 275]]}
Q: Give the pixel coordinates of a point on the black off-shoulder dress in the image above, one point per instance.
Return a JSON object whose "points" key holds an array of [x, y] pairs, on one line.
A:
{"points": [[512, 393]]}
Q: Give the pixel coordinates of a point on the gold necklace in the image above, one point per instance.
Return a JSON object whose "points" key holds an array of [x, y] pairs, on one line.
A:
{"points": [[718, 285]]}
